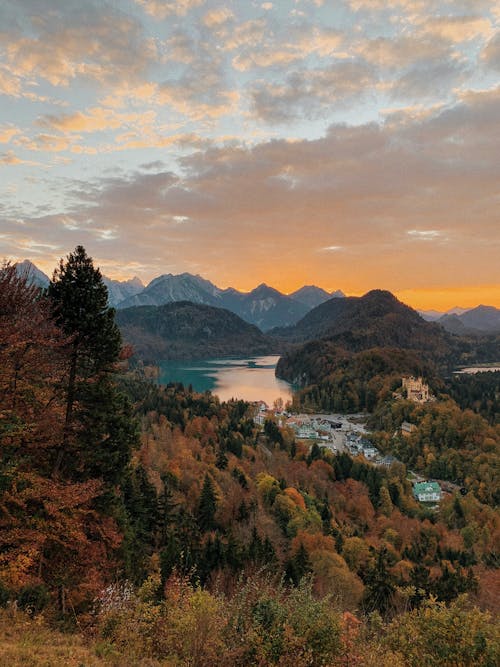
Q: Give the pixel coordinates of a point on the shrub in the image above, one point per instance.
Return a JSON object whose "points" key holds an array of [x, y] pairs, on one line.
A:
{"points": [[33, 598]]}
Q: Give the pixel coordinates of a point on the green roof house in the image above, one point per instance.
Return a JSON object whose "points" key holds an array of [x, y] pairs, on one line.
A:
{"points": [[427, 492]]}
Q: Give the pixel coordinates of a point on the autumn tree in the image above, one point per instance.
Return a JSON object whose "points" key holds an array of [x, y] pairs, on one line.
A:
{"points": [[49, 532]]}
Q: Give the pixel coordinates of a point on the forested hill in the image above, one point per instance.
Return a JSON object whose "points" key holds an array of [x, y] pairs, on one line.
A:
{"points": [[312, 362], [184, 330], [376, 319]]}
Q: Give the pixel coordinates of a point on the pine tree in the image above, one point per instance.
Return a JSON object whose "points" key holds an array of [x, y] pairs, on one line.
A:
{"points": [[207, 505], [99, 417], [380, 586]]}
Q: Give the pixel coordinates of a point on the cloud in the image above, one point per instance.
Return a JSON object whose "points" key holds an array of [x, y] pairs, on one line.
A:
{"points": [[62, 43], [160, 9], [50, 143], [403, 51], [427, 80], [424, 234], [491, 53], [9, 84], [95, 120], [7, 132], [458, 29], [309, 93], [262, 48], [10, 158], [217, 17], [380, 191]]}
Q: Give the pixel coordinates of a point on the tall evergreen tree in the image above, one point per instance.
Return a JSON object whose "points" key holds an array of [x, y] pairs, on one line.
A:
{"points": [[207, 505], [99, 429]]}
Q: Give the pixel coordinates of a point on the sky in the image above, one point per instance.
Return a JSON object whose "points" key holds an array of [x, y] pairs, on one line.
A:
{"points": [[351, 144]]}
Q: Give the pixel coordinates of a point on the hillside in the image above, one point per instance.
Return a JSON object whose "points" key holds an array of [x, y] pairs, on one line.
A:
{"points": [[376, 319], [185, 330]]}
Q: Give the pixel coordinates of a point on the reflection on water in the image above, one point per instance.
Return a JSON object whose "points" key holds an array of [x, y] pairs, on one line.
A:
{"points": [[472, 370], [248, 378]]}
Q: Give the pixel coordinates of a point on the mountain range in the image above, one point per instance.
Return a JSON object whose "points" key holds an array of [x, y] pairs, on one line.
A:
{"points": [[264, 306]]}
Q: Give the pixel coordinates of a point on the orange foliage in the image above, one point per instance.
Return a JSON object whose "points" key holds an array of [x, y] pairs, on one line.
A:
{"points": [[296, 497], [312, 542]]}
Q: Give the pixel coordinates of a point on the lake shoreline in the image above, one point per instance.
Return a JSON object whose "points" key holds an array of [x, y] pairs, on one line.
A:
{"points": [[250, 378]]}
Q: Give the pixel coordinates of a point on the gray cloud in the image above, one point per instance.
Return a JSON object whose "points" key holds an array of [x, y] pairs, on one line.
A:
{"points": [[311, 93], [491, 53]]}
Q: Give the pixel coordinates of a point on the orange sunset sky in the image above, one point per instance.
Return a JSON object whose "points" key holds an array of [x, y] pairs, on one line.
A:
{"points": [[351, 144]]}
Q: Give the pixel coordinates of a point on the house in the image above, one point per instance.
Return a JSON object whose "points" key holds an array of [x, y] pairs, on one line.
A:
{"points": [[260, 418], [370, 452], [407, 428], [387, 461], [306, 431], [427, 492], [416, 389]]}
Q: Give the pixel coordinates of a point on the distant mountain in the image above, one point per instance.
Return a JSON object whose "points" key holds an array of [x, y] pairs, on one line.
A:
{"points": [[376, 319], [263, 306], [434, 315], [185, 330], [312, 296], [483, 318], [170, 288], [453, 324], [430, 315], [34, 275], [119, 290]]}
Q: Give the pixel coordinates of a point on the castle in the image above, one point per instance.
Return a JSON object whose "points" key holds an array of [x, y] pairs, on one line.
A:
{"points": [[416, 389]]}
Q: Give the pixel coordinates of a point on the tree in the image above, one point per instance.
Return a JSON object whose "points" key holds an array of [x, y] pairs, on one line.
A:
{"points": [[207, 505], [50, 533], [380, 586], [94, 410]]}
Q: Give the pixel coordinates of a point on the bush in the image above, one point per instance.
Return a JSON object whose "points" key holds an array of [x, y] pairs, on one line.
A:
{"points": [[4, 595], [33, 598]]}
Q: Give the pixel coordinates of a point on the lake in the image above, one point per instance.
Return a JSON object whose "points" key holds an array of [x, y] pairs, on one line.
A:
{"points": [[484, 368], [247, 378]]}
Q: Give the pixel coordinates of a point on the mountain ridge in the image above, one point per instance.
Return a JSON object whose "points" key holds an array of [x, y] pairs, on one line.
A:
{"points": [[376, 319], [185, 330]]}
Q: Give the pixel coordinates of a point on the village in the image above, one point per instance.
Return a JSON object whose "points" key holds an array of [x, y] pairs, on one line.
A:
{"points": [[347, 433]]}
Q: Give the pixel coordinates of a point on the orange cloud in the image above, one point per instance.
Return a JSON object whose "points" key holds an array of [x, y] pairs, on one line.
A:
{"points": [[96, 119], [160, 9]]}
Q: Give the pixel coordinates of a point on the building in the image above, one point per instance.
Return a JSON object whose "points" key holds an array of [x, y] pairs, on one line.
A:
{"points": [[306, 432], [416, 389], [370, 452], [407, 428], [387, 461], [427, 492]]}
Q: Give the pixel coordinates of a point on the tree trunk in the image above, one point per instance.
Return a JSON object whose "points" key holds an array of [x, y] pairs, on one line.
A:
{"points": [[70, 400]]}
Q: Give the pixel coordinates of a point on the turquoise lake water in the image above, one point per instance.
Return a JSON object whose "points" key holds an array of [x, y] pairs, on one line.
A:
{"points": [[247, 378]]}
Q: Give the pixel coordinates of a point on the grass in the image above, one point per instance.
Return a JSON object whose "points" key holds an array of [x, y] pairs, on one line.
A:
{"points": [[26, 642]]}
